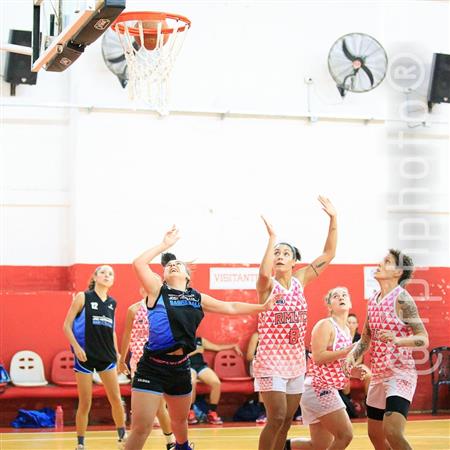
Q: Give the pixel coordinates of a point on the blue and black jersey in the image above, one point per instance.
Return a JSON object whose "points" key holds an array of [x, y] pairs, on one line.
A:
{"points": [[93, 328], [173, 321]]}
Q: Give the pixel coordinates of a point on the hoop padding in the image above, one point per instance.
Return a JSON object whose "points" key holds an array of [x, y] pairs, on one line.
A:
{"points": [[149, 68]]}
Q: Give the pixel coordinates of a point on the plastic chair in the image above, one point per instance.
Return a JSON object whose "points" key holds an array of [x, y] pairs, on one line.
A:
{"points": [[27, 369], [62, 369], [4, 377], [440, 372], [229, 366], [121, 378]]}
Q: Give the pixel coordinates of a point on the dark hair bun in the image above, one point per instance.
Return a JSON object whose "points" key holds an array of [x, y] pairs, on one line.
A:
{"points": [[166, 257]]}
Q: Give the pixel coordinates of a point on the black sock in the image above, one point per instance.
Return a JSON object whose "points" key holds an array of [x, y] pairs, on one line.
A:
{"points": [[213, 406], [287, 445]]}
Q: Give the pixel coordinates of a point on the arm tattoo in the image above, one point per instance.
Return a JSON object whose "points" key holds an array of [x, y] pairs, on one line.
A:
{"points": [[360, 349], [409, 313], [319, 265], [363, 343], [313, 268], [419, 343]]}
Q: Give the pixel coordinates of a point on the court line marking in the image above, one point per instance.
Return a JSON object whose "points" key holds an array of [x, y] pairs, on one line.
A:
{"points": [[106, 438]]}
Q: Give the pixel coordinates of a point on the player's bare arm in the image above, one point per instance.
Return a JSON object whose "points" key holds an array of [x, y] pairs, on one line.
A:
{"points": [[407, 312], [313, 270]]}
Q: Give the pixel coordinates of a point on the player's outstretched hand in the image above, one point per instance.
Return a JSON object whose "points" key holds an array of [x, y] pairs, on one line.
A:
{"points": [[269, 227], [171, 236], [327, 206]]}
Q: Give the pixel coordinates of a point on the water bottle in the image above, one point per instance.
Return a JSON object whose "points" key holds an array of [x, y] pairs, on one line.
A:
{"points": [[59, 418]]}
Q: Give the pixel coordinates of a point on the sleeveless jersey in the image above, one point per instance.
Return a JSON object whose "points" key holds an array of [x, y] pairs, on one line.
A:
{"points": [[388, 360], [281, 342], [331, 375], [93, 328], [173, 321], [139, 332]]}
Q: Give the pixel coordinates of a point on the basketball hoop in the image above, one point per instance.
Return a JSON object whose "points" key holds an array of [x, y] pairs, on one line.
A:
{"points": [[151, 42]]}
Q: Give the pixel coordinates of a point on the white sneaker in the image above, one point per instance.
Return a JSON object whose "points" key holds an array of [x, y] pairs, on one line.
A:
{"points": [[80, 447]]}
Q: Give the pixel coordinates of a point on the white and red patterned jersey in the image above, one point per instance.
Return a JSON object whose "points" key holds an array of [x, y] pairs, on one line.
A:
{"points": [[331, 374], [281, 341], [139, 334], [388, 360]]}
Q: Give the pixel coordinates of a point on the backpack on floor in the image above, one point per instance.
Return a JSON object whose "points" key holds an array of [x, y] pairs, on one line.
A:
{"points": [[43, 418], [248, 412]]}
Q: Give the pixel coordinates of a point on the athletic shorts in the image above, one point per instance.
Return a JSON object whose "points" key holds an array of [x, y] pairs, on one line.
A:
{"points": [[163, 374], [199, 367], [317, 402], [280, 384], [90, 365], [393, 387]]}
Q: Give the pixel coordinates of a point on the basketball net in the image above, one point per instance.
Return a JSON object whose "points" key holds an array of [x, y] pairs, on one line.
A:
{"points": [[149, 66]]}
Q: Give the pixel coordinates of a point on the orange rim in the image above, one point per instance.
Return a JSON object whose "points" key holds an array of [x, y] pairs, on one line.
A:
{"points": [[148, 15]]}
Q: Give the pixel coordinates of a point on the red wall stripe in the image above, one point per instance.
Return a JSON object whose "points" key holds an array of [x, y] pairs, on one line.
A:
{"points": [[34, 302]]}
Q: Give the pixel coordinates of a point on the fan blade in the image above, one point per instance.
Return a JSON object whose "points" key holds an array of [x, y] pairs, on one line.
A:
{"points": [[342, 91], [123, 81], [347, 52], [118, 59], [368, 73]]}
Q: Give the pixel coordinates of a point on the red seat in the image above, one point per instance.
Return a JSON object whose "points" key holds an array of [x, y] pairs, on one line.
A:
{"points": [[229, 366], [62, 369]]}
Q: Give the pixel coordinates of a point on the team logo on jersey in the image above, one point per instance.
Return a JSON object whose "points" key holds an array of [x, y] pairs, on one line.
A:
{"points": [[94, 305], [290, 317], [110, 306]]}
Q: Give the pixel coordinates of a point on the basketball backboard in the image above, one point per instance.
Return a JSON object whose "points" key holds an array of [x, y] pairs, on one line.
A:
{"points": [[63, 28]]}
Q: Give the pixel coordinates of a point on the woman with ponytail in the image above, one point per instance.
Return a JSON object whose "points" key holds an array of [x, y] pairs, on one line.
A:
{"points": [[280, 363], [174, 312], [89, 327]]}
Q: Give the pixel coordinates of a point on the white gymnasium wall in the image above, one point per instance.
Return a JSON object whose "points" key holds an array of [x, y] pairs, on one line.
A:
{"points": [[92, 180]]}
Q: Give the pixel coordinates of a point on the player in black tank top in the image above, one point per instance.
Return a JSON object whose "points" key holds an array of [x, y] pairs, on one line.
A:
{"points": [[89, 326], [175, 311]]}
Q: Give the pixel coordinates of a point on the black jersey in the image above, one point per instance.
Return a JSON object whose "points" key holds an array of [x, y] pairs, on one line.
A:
{"points": [[93, 327], [173, 320]]}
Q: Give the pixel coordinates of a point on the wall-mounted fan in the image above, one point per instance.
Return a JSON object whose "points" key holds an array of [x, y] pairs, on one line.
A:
{"points": [[114, 56], [357, 62]]}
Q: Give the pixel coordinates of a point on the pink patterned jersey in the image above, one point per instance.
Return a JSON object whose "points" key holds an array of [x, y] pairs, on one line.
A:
{"points": [[331, 374], [139, 334], [388, 360], [281, 342]]}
